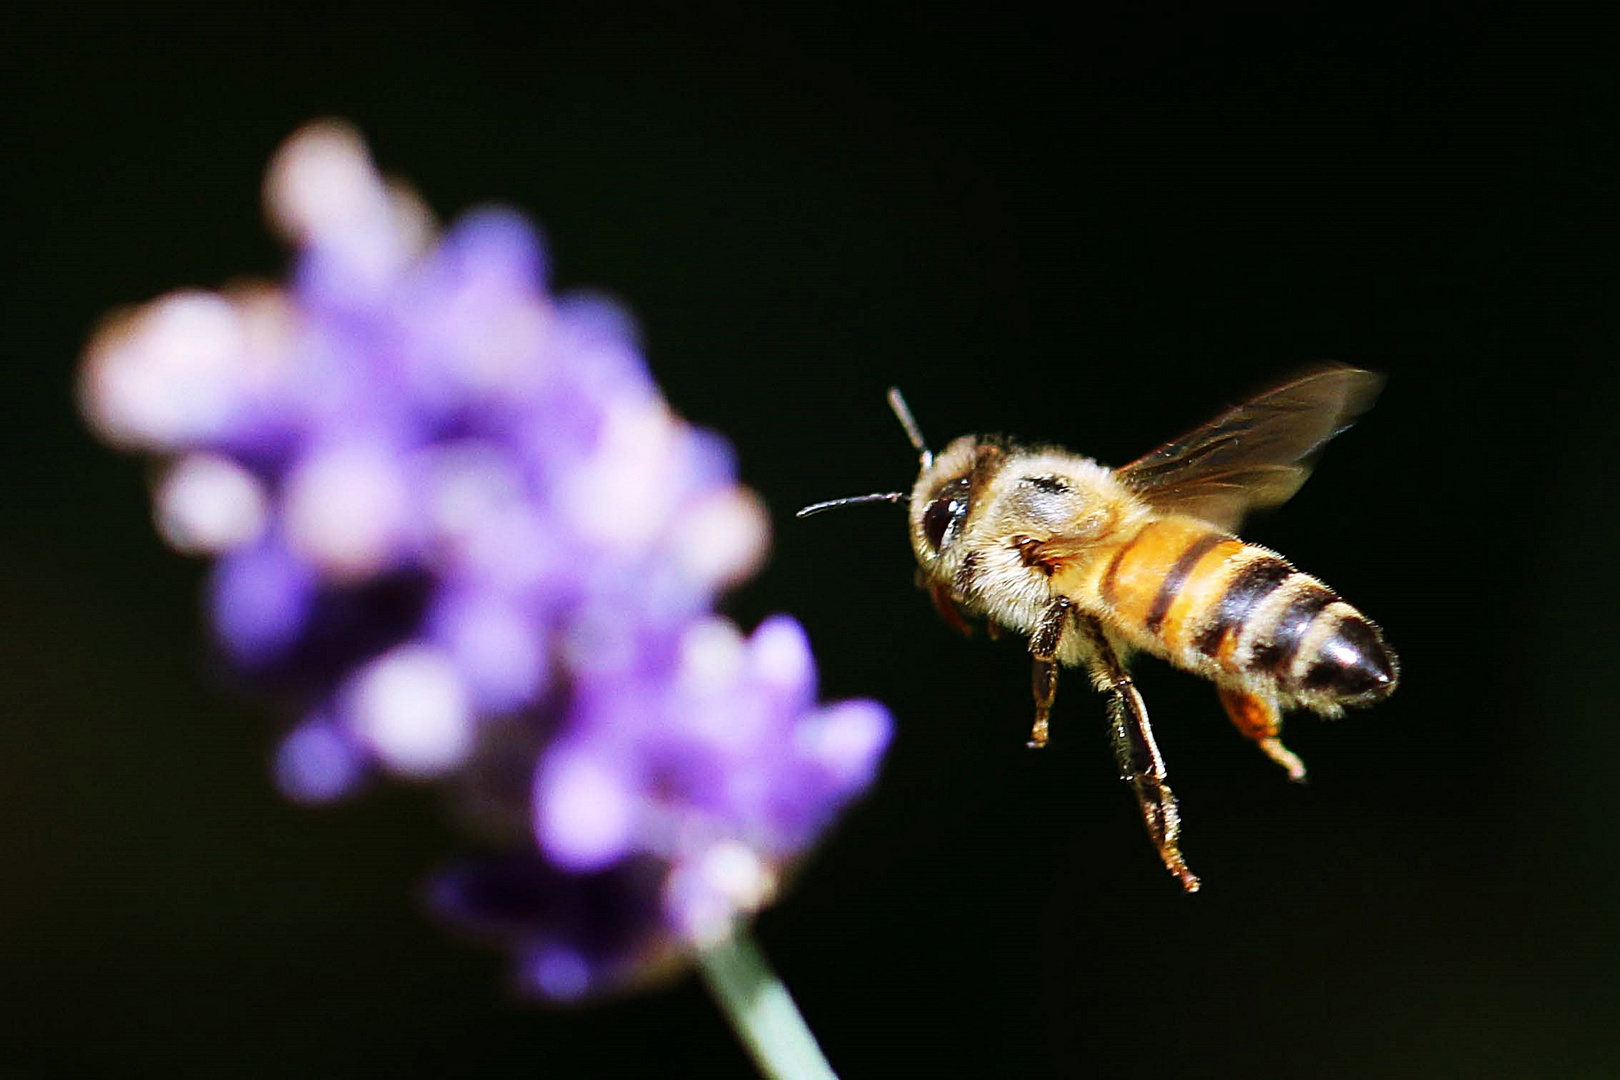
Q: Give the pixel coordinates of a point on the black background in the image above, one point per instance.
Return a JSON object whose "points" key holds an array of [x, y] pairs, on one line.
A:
{"points": [[1093, 233]]}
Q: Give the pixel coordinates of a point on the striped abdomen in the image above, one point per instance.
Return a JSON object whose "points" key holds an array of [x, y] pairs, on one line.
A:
{"points": [[1210, 603]]}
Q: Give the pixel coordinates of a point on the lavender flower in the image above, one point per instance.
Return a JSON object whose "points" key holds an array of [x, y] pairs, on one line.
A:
{"points": [[460, 537]]}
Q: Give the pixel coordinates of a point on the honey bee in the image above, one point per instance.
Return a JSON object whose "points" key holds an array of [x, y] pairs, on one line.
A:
{"points": [[1095, 564]]}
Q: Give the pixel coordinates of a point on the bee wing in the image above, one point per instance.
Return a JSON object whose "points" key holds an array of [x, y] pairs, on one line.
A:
{"points": [[1256, 454]]}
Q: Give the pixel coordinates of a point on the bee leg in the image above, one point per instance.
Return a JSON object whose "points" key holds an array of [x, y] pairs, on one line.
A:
{"points": [[1045, 682], [1259, 719], [1043, 645], [941, 596], [1140, 763]]}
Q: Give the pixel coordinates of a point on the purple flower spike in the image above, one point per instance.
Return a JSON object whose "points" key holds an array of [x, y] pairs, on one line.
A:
{"points": [[461, 535]]}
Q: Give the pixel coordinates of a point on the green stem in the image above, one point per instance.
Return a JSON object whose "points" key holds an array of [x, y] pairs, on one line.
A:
{"points": [[761, 1011]]}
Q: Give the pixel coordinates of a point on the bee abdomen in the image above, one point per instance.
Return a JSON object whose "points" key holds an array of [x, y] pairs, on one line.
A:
{"points": [[1350, 662], [1160, 581], [1214, 604], [1276, 622]]}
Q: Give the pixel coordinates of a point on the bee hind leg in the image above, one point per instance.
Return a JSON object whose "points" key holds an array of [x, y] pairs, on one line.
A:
{"points": [[1043, 645], [1260, 720], [1140, 763]]}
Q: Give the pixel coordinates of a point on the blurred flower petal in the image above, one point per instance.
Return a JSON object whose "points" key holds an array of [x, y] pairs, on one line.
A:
{"points": [[208, 504], [166, 376], [500, 650], [848, 739], [315, 763], [410, 706], [347, 510], [260, 599], [584, 812]]}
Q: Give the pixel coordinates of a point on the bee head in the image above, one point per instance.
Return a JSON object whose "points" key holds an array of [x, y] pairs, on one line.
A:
{"points": [[941, 498]]}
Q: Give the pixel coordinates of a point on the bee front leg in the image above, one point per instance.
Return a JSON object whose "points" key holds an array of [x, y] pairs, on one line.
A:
{"points": [[1259, 719], [945, 604], [1043, 645], [1140, 763]]}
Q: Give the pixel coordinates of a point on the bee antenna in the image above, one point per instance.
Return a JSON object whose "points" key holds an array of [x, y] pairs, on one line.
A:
{"points": [[913, 432], [833, 504]]}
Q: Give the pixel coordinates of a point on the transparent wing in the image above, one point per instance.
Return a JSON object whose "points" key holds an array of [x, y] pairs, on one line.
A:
{"points": [[1256, 454]]}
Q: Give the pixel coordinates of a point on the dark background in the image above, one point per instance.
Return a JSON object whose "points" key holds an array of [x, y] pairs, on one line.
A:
{"points": [[1093, 234]]}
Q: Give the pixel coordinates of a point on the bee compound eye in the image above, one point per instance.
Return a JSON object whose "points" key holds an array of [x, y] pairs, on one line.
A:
{"points": [[945, 511]]}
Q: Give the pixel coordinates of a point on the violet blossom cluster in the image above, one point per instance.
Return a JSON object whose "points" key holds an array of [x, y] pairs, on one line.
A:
{"points": [[461, 537]]}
